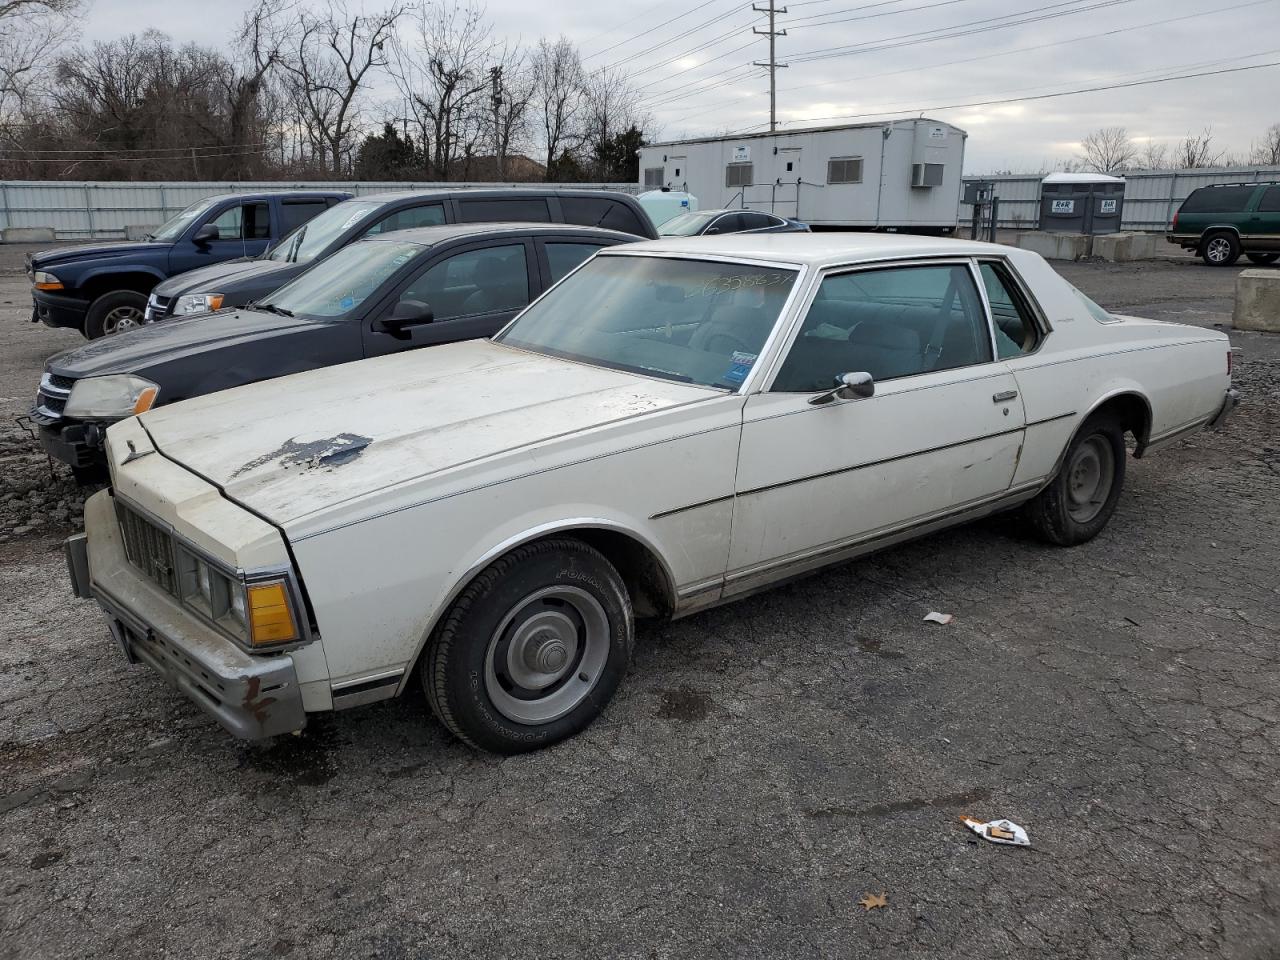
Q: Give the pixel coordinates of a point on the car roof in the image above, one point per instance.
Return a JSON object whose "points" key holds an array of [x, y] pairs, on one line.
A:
{"points": [[430, 236], [491, 193], [219, 197], [814, 249]]}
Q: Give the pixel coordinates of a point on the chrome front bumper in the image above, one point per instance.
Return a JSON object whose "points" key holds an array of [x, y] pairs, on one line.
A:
{"points": [[251, 696], [1229, 403]]}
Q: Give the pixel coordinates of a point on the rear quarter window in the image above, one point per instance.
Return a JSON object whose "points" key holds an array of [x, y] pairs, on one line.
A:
{"points": [[601, 212], [1218, 200]]}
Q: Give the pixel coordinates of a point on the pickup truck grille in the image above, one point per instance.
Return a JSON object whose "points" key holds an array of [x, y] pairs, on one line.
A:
{"points": [[52, 396], [149, 548]]}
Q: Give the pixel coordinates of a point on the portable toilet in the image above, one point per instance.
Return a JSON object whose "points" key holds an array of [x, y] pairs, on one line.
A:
{"points": [[1081, 203], [662, 205]]}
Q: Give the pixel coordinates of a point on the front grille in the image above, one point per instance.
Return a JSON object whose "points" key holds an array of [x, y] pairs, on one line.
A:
{"points": [[149, 548], [61, 382], [158, 307], [51, 399]]}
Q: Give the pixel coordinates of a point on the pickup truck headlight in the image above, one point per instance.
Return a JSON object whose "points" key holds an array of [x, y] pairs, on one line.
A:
{"points": [[45, 281], [197, 303], [110, 398]]}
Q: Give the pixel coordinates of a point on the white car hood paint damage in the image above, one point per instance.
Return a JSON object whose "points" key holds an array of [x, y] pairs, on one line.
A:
{"points": [[296, 445]]}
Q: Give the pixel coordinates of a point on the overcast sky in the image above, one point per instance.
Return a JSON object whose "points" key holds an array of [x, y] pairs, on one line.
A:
{"points": [[892, 72]]}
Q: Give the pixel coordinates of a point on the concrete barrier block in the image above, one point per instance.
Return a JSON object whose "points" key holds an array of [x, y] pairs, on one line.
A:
{"points": [[1056, 246], [138, 231], [1125, 247], [27, 235], [1257, 301]]}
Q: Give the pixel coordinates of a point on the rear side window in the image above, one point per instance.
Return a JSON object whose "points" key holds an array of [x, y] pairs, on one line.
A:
{"points": [[522, 209], [427, 215], [1015, 329], [757, 221], [729, 223], [297, 212], [1218, 200], [601, 212], [564, 257], [1270, 202]]}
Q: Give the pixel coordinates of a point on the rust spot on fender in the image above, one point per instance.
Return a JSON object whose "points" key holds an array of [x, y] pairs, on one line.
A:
{"points": [[255, 705]]}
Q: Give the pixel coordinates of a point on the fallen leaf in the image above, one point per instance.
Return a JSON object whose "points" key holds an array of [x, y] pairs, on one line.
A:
{"points": [[874, 901]]}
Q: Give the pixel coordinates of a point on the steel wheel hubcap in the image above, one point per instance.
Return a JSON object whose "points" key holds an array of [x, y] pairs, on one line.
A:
{"points": [[121, 318], [547, 654], [1219, 249], [1089, 477]]}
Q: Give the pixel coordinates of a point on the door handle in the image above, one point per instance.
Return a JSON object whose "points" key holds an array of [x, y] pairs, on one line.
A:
{"points": [[1004, 396]]}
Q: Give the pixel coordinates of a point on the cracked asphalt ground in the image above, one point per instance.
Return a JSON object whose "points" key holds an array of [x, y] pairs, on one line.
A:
{"points": [[764, 767]]}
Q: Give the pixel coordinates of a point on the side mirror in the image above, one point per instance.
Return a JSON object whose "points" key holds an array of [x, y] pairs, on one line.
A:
{"points": [[406, 313], [849, 386], [712, 230], [207, 232]]}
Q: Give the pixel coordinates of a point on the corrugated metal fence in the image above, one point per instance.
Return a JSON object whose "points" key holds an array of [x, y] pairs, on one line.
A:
{"points": [[90, 209], [1151, 197]]}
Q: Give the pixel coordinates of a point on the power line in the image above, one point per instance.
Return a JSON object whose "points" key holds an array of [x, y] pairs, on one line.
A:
{"points": [[659, 26], [796, 25], [986, 56], [185, 151], [771, 64], [30, 158], [1041, 96]]}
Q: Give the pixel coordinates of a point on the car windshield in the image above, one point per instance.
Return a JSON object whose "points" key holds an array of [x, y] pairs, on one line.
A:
{"points": [[694, 321], [346, 280], [310, 239], [687, 224], [174, 228]]}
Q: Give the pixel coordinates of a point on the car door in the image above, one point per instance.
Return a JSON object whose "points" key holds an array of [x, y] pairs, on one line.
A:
{"points": [[941, 433], [243, 230], [1261, 227], [472, 291]]}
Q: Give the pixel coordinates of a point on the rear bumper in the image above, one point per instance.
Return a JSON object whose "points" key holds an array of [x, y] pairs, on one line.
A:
{"points": [[1229, 403], [252, 696], [58, 311]]}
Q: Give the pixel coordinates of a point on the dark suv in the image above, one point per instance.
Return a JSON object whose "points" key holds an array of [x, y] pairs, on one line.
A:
{"points": [[396, 291], [235, 284], [101, 288], [1223, 221]]}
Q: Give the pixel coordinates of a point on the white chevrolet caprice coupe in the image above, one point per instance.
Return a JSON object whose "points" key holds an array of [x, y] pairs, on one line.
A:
{"points": [[675, 424]]}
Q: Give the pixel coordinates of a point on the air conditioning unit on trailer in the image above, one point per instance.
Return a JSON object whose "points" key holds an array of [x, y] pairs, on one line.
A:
{"points": [[926, 174]]}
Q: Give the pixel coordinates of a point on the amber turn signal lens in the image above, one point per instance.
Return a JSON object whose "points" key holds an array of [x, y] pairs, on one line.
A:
{"points": [[270, 616], [215, 301], [145, 399]]}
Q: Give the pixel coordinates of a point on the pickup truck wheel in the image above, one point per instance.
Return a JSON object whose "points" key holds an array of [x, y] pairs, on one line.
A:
{"points": [[1220, 249], [114, 312], [1080, 499], [1263, 259], [532, 650]]}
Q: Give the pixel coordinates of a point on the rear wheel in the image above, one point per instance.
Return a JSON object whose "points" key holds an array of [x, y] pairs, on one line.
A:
{"points": [[1220, 249], [1081, 498], [532, 650], [1263, 259], [114, 312]]}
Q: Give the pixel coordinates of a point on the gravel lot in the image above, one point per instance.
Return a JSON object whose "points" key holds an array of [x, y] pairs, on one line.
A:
{"points": [[765, 766]]}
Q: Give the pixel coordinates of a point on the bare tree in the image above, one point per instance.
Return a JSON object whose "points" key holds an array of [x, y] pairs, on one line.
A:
{"points": [[613, 105], [1108, 150], [442, 73], [558, 95], [1196, 150], [31, 32], [512, 84], [1154, 156], [1266, 152], [331, 55]]}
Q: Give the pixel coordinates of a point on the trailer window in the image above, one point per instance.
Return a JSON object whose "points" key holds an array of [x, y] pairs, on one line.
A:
{"points": [[737, 175], [653, 176], [844, 170]]}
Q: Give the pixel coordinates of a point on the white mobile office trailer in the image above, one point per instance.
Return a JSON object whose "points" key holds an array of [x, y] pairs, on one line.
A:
{"points": [[895, 175]]}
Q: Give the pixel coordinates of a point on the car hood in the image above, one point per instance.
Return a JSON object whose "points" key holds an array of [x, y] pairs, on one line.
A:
{"points": [[216, 276], [44, 259], [145, 347], [298, 445]]}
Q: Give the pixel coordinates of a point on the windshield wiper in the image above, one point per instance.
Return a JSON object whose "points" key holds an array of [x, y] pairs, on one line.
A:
{"points": [[297, 242], [268, 308]]}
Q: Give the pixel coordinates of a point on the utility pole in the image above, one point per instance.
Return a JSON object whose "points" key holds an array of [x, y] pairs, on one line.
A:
{"points": [[495, 77], [772, 10]]}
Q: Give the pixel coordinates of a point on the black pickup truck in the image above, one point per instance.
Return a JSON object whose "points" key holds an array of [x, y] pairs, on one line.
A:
{"points": [[102, 288]]}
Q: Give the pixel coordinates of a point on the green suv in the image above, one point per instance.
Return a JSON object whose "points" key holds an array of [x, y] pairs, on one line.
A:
{"points": [[1223, 221]]}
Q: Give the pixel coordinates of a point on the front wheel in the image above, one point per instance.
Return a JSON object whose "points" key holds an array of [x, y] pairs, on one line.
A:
{"points": [[1080, 499], [114, 312], [1263, 259], [532, 650], [1221, 249]]}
